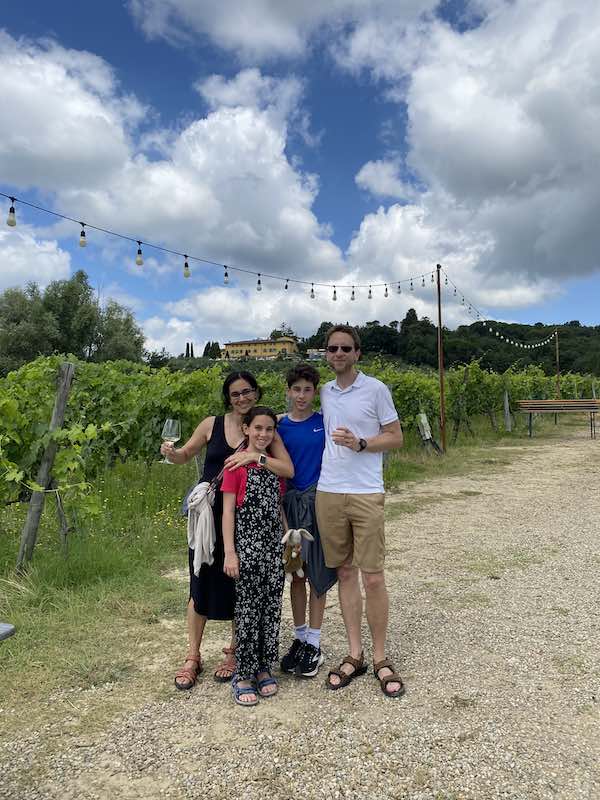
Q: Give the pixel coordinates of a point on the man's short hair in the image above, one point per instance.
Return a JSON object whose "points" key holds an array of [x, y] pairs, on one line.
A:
{"points": [[352, 332], [303, 372]]}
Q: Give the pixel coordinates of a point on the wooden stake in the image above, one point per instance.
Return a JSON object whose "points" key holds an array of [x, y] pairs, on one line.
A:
{"points": [[36, 504]]}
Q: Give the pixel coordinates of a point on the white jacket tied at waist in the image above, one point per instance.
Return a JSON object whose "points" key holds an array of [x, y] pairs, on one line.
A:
{"points": [[201, 524]]}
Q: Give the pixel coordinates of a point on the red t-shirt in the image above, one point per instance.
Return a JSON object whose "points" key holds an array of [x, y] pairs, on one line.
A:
{"points": [[235, 481]]}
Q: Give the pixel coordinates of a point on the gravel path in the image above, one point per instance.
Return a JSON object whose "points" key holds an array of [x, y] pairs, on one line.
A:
{"points": [[494, 625]]}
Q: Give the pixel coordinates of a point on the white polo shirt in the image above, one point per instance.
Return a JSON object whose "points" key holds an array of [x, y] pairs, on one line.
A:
{"points": [[363, 407]]}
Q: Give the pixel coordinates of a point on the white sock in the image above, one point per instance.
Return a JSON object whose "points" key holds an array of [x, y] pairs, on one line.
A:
{"points": [[301, 632], [313, 636]]}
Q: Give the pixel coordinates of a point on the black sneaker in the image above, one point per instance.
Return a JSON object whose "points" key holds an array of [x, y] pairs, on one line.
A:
{"points": [[290, 660], [309, 662]]}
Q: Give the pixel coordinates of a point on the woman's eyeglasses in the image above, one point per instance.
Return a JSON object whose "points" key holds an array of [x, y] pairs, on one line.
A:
{"points": [[243, 393], [345, 348]]}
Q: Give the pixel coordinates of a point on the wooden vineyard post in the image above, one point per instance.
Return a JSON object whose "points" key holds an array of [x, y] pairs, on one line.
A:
{"points": [[36, 504], [440, 344], [507, 419]]}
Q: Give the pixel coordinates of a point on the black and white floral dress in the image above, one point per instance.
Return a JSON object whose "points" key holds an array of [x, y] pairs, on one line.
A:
{"points": [[258, 532]]}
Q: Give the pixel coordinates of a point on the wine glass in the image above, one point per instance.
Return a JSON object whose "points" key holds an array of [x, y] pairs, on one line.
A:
{"points": [[171, 432]]}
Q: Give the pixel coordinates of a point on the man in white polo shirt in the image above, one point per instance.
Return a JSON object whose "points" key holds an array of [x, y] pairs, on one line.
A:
{"points": [[361, 423]]}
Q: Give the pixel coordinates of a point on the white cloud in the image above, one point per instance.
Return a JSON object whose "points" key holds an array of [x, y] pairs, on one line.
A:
{"points": [[61, 116], [25, 257], [382, 179], [264, 29]]}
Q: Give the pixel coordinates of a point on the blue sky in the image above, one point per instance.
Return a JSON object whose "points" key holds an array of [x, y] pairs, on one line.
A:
{"points": [[348, 143]]}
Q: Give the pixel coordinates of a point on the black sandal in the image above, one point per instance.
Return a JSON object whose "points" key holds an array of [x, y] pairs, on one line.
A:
{"points": [[345, 679]]}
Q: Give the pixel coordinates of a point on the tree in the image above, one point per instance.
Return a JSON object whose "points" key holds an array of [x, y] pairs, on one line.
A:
{"points": [[27, 329], [76, 310], [158, 359], [187, 349], [206, 351], [191, 349], [215, 350], [119, 335], [283, 330]]}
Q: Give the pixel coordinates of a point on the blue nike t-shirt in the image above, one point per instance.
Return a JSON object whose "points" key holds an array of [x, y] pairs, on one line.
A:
{"points": [[305, 442]]}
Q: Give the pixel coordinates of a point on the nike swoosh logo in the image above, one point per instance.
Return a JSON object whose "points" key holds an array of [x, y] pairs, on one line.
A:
{"points": [[317, 430]]}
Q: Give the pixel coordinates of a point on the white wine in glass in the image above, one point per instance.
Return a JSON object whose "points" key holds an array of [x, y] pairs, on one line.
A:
{"points": [[171, 432]]}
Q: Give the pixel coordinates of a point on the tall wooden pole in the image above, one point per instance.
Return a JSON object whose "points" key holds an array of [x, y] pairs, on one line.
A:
{"points": [[440, 344], [557, 367]]}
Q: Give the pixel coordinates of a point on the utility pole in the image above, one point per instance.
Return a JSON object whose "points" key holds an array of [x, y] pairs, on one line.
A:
{"points": [[557, 366], [440, 344]]}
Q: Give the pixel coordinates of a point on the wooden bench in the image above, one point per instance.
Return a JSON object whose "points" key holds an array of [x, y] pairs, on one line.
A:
{"points": [[531, 407]]}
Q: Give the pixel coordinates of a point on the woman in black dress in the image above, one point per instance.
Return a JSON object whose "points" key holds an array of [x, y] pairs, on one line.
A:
{"points": [[212, 592]]}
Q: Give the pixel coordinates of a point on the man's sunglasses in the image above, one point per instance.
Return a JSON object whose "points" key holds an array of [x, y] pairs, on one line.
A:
{"points": [[345, 348]]}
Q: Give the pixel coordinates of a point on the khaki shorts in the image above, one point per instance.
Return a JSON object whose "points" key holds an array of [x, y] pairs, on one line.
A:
{"points": [[352, 529]]}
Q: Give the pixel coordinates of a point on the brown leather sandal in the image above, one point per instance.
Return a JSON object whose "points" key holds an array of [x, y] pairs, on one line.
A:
{"points": [[393, 678], [227, 665], [189, 674], [359, 669]]}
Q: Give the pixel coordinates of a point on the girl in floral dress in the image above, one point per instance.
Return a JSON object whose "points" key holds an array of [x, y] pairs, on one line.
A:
{"points": [[252, 531]]}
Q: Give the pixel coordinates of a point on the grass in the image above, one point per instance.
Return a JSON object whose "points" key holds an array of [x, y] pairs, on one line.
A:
{"points": [[81, 619]]}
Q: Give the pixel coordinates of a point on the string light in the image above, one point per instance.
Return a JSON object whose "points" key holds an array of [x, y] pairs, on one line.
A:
{"points": [[286, 284], [412, 288], [423, 281], [82, 241], [334, 294], [399, 289], [11, 220], [385, 294], [186, 268], [312, 291], [225, 276], [139, 259], [352, 296], [370, 294], [454, 291], [432, 277], [446, 281], [258, 284]]}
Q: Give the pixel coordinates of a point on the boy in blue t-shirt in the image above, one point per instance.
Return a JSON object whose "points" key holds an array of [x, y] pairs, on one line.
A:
{"points": [[303, 435]]}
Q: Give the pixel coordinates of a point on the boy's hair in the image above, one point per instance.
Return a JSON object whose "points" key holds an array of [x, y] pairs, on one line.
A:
{"points": [[259, 411], [303, 372], [344, 329]]}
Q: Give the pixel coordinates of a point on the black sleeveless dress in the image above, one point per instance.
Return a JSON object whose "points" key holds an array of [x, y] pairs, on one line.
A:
{"points": [[212, 591]]}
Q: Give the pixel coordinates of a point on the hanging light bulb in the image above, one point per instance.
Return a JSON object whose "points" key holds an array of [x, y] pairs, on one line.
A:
{"points": [[455, 291], [287, 280], [497, 333], [186, 268], [82, 241], [334, 294], [225, 275], [385, 294], [432, 277], [423, 281], [412, 288], [446, 281], [258, 284], [370, 294], [462, 302], [139, 259], [312, 291], [399, 289], [469, 309], [352, 296], [11, 220]]}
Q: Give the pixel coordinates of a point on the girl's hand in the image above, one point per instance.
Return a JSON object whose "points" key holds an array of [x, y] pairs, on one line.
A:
{"points": [[231, 566], [240, 459]]}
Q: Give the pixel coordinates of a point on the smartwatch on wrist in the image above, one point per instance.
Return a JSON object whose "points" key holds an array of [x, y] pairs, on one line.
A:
{"points": [[362, 443], [262, 460]]}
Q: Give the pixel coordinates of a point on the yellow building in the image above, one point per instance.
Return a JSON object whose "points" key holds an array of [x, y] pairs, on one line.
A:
{"points": [[260, 348]]}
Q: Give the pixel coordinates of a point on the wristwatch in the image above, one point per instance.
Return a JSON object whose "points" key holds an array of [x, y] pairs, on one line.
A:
{"points": [[262, 460], [362, 443]]}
